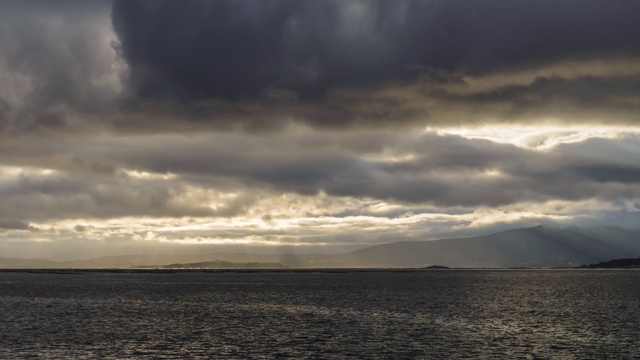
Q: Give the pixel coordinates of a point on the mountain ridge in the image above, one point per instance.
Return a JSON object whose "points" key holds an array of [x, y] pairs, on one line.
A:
{"points": [[538, 246]]}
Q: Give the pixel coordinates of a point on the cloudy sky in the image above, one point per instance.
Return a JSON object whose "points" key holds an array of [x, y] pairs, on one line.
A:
{"points": [[133, 126]]}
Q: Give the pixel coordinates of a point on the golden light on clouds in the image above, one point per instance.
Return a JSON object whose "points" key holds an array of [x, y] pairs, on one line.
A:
{"points": [[539, 137]]}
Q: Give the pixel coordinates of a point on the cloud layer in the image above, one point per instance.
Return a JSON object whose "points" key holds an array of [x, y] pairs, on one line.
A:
{"points": [[335, 124], [338, 63], [242, 49], [314, 187], [57, 60]]}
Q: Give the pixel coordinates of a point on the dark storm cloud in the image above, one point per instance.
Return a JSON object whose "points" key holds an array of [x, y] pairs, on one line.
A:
{"points": [[265, 64], [290, 49], [55, 61]]}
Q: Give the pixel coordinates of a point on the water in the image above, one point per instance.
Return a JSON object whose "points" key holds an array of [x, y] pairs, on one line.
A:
{"points": [[322, 315]]}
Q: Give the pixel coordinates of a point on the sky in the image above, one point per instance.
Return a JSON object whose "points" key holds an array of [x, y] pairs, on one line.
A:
{"points": [[132, 126]]}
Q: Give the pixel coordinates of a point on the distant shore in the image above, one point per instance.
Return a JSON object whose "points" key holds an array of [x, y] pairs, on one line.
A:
{"points": [[287, 270]]}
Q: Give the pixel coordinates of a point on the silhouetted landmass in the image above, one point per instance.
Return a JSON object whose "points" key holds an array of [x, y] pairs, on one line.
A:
{"points": [[629, 263], [218, 264], [436, 267], [7, 263], [534, 247], [155, 260], [538, 246]]}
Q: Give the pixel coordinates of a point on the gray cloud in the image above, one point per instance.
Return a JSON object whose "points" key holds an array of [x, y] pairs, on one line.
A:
{"points": [[14, 225], [65, 196], [240, 49], [262, 65], [585, 99], [56, 61], [445, 171], [373, 63]]}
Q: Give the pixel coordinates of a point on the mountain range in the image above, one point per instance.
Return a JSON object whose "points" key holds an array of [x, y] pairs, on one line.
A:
{"points": [[538, 246]]}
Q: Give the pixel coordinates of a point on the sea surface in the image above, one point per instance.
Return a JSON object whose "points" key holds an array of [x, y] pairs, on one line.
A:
{"points": [[457, 314]]}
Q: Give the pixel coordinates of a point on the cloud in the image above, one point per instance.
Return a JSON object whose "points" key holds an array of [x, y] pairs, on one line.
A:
{"points": [[441, 170], [58, 195], [14, 225], [56, 61], [179, 175], [240, 49], [158, 66], [370, 63]]}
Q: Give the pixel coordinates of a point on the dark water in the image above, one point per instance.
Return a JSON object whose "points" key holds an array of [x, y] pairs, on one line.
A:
{"points": [[394, 315]]}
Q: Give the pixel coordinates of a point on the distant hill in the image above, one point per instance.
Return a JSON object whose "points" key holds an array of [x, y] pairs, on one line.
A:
{"points": [[217, 264], [530, 247], [161, 260], [7, 263], [153, 260], [436, 267], [616, 264], [538, 246], [615, 236]]}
